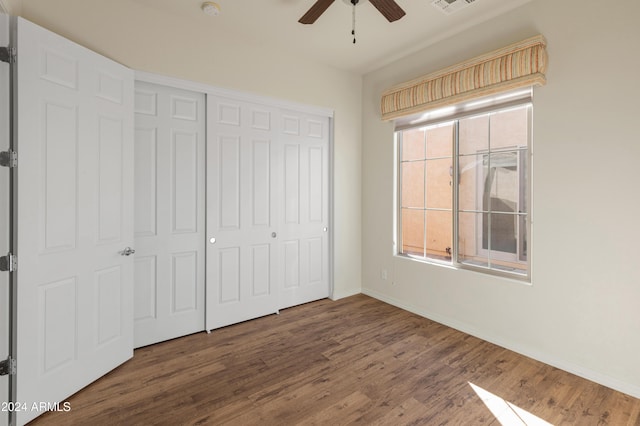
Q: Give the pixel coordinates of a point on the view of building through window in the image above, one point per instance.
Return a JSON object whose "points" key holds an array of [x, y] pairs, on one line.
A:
{"points": [[486, 174]]}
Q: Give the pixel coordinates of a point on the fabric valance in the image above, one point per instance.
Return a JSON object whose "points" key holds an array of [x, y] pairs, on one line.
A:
{"points": [[517, 65]]}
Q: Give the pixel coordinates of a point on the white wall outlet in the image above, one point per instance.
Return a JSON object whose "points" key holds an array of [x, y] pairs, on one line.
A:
{"points": [[383, 274]]}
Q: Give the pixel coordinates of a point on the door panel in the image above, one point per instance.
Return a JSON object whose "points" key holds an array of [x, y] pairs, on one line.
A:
{"points": [[169, 213], [242, 155], [75, 215], [303, 229]]}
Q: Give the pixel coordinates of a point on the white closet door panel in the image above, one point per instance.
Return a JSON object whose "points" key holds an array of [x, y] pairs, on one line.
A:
{"points": [[292, 176], [145, 279], [228, 270], [261, 191], [170, 220], [75, 215], [59, 153], [184, 282], [184, 187], [291, 263], [303, 229], [109, 285], [241, 210], [110, 159], [145, 182], [229, 181]]}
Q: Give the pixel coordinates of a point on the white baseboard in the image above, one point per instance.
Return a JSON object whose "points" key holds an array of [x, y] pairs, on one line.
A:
{"points": [[337, 295], [594, 376]]}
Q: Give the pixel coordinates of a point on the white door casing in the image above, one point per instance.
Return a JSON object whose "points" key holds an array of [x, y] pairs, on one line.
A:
{"points": [[242, 160], [75, 216], [4, 213], [169, 213], [303, 224]]}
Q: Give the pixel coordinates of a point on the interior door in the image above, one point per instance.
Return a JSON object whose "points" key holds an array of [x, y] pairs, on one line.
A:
{"points": [[242, 160], [169, 213], [4, 213], [75, 217], [303, 224]]}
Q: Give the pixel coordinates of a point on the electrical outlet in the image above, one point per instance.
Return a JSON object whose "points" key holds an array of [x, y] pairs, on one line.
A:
{"points": [[383, 274]]}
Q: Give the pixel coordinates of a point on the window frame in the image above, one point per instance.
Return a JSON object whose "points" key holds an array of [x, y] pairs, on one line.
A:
{"points": [[495, 104]]}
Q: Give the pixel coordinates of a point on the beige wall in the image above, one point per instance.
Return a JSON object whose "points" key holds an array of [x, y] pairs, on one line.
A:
{"points": [[581, 311], [151, 40]]}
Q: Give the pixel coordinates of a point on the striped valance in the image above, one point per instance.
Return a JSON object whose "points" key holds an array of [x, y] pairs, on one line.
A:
{"points": [[517, 65]]}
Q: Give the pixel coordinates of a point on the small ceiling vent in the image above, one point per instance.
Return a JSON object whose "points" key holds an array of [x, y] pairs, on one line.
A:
{"points": [[450, 6]]}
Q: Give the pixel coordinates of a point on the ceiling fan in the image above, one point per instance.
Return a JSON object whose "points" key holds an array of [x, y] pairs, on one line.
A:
{"points": [[388, 8]]}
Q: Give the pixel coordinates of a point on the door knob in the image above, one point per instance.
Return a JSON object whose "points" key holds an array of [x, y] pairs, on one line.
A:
{"points": [[273, 235], [127, 251], [212, 240]]}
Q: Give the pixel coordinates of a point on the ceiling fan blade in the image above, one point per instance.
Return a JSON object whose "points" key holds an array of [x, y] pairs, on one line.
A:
{"points": [[389, 8], [316, 10]]}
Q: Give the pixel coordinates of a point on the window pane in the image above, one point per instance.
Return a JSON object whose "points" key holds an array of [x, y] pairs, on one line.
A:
{"points": [[473, 135], [440, 141], [438, 183], [470, 239], [501, 186], [509, 128], [413, 232], [503, 229], [413, 184], [412, 144], [470, 188], [439, 234]]}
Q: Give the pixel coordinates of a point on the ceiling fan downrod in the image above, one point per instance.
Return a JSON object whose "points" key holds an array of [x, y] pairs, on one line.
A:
{"points": [[353, 20]]}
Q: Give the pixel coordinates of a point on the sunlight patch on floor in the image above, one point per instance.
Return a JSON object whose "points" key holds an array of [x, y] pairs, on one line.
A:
{"points": [[505, 412]]}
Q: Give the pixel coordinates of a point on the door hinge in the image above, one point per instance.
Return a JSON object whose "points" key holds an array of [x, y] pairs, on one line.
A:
{"points": [[8, 367], [7, 54], [8, 159], [8, 263]]}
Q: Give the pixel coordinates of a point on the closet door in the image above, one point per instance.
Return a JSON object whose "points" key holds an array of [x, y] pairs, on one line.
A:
{"points": [[75, 217], [169, 213], [303, 224], [242, 200]]}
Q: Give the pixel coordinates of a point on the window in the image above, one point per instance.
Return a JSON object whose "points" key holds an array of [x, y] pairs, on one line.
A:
{"points": [[463, 196]]}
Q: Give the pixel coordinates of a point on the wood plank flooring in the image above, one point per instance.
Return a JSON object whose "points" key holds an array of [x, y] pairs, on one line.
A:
{"points": [[356, 360]]}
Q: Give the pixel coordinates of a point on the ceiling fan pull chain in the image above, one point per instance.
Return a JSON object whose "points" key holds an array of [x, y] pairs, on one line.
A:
{"points": [[353, 22]]}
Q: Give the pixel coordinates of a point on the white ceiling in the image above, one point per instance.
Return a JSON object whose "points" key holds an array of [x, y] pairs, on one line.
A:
{"points": [[329, 40]]}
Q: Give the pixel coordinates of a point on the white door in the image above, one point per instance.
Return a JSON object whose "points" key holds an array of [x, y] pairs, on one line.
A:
{"points": [[75, 217], [303, 224], [169, 213], [4, 214], [242, 159]]}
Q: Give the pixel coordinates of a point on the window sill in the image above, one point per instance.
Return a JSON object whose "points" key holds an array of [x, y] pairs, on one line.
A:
{"points": [[509, 277]]}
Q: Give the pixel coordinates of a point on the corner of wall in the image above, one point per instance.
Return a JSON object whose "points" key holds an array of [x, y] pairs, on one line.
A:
{"points": [[11, 7]]}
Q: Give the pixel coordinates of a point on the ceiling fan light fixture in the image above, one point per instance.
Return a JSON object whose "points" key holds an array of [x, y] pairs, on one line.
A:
{"points": [[211, 8]]}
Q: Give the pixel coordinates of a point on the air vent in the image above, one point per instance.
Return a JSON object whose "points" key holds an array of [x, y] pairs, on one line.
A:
{"points": [[450, 6]]}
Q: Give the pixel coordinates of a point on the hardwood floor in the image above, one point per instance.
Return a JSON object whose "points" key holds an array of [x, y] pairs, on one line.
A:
{"points": [[356, 360]]}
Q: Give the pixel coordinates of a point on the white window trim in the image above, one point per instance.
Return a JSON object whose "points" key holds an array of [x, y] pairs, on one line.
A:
{"points": [[499, 102]]}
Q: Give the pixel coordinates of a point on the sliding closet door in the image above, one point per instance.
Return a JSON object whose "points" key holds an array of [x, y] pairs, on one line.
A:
{"points": [[169, 213], [242, 160], [75, 217], [303, 268]]}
